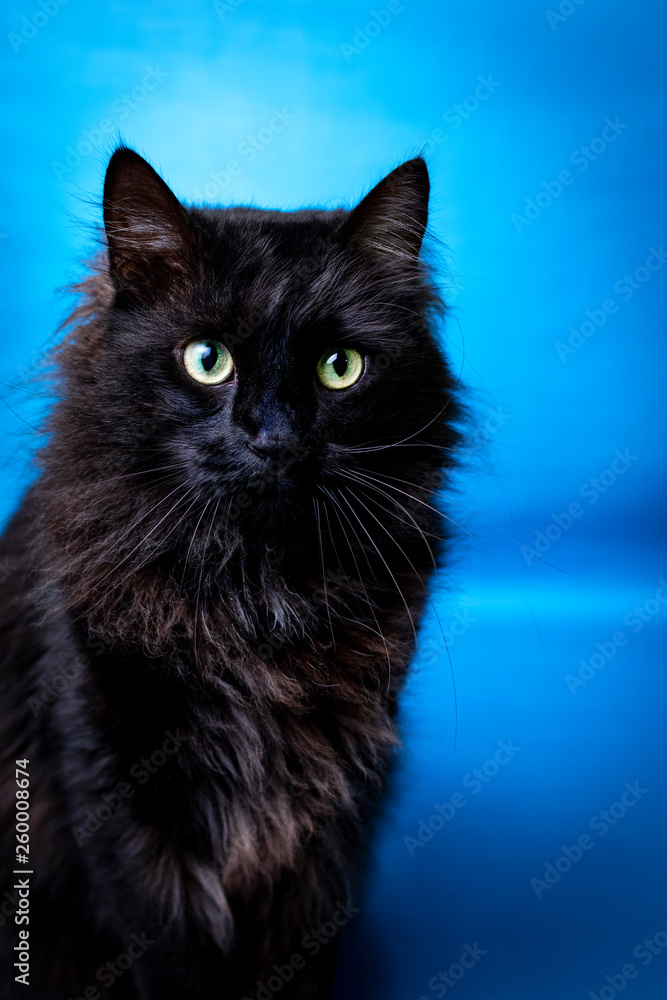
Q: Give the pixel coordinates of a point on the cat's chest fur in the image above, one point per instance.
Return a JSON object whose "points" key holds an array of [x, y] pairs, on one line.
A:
{"points": [[263, 757]]}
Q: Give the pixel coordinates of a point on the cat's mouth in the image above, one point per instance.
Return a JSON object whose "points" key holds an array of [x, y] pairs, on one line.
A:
{"points": [[282, 477], [261, 469], [277, 460]]}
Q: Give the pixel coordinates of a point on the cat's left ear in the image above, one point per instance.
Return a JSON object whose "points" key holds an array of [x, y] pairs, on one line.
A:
{"points": [[391, 220], [148, 235]]}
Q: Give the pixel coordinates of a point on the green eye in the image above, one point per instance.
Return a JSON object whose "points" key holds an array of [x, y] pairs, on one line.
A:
{"points": [[208, 361], [340, 369]]}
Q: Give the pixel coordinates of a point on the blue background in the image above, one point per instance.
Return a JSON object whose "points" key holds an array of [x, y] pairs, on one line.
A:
{"points": [[362, 99]]}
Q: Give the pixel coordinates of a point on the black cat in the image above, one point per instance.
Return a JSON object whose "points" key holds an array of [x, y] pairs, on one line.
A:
{"points": [[212, 590]]}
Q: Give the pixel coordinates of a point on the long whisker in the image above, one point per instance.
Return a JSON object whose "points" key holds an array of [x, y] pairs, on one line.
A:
{"points": [[371, 540], [144, 562], [129, 554], [129, 530], [430, 600], [352, 529], [418, 575], [149, 533], [18, 416], [457, 503], [338, 508], [68, 503], [316, 505], [142, 472], [395, 444], [201, 573], [484, 547], [392, 500], [419, 444], [194, 533], [429, 506], [171, 529], [33, 392]]}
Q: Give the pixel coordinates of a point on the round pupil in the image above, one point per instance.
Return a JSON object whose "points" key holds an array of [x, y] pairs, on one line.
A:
{"points": [[209, 357], [339, 363]]}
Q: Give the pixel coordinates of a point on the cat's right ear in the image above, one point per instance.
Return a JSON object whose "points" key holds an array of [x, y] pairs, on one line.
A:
{"points": [[149, 239], [389, 223]]}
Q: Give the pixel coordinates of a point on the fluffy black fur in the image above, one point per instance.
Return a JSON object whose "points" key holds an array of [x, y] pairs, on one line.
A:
{"points": [[211, 592]]}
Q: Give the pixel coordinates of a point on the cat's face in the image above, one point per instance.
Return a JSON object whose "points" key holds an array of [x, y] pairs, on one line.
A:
{"points": [[250, 380], [249, 400], [257, 351]]}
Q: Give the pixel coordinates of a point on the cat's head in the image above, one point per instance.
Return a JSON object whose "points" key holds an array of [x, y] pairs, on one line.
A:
{"points": [[249, 362]]}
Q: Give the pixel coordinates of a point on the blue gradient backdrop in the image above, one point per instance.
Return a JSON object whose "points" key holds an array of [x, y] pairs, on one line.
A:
{"points": [[549, 215]]}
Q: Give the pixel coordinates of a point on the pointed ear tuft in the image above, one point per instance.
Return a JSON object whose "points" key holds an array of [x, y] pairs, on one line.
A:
{"points": [[148, 235], [391, 219]]}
